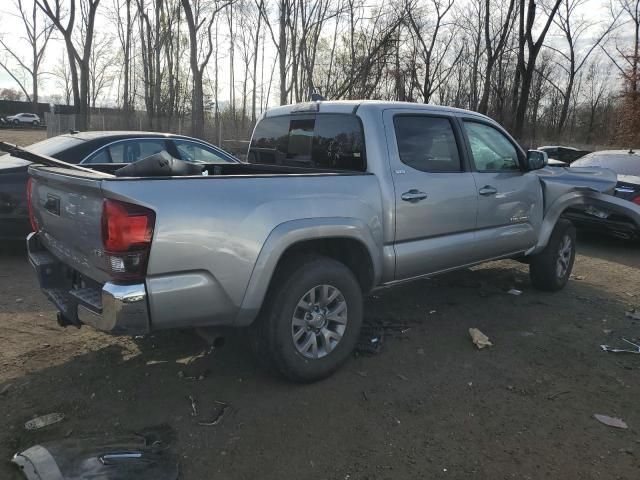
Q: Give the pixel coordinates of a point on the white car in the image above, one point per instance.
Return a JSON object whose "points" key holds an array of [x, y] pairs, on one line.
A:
{"points": [[26, 118]]}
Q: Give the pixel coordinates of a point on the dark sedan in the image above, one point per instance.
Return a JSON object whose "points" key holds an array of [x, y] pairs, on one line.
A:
{"points": [[89, 148], [626, 164]]}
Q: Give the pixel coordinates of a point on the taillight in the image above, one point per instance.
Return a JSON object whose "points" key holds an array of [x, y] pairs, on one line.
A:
{"points": [[32, 217], [127, 230], [636, 199]]}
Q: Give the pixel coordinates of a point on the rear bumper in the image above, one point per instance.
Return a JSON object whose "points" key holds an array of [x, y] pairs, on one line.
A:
{"points": [[113, 308]]}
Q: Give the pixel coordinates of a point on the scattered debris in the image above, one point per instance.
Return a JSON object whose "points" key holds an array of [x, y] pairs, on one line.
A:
{"points": [[43, 421], [219, 415], [364, 395], [553, 396], [431, 312], [607, 348], [5, 389], [611, 421], [607, 331], [634, 313], [143, 456], [194, 406], [479, 338], [420, 351], [402, 377], [19, 300], [202, 376], [362, 374], [371, 340], [156, 362], [515, 291], [577, 277]]}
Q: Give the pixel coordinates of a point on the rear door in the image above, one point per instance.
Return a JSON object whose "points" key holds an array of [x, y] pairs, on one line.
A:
{"points": [[435, 193], [509, 199]]}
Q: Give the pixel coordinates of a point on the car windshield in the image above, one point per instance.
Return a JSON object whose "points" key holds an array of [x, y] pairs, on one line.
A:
{"points": [[54, 145], [621, 163]]}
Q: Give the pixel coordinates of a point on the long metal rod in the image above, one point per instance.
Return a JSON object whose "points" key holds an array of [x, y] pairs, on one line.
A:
{"points": [[19, 152]]}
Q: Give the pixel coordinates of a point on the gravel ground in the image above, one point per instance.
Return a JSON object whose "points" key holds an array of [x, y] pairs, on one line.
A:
{"points": [[22, 137], [429, 405]]}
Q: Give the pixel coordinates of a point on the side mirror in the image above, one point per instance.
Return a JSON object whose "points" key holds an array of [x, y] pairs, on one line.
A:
{"points": [[536, 159]]}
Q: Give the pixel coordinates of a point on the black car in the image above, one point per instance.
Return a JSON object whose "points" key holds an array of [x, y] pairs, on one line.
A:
{"points": [[626, 164], [89, 148], [563, 154]]}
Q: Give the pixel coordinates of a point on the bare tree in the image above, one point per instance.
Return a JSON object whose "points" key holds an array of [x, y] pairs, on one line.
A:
{"points": [[495, 42], [77, 60], [201, 14], [38, 33]]}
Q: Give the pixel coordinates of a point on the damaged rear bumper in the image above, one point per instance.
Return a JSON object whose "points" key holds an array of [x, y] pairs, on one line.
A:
{"points": [[113, 308]]}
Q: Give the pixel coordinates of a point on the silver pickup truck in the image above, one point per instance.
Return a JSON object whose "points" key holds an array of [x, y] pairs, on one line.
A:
{"points": [[337, 199]]}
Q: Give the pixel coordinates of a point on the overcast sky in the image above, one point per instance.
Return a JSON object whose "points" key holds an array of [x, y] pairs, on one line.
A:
{"points": [[11, 30]]}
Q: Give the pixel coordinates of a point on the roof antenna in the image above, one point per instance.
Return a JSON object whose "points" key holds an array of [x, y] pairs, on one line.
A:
{"points": [[631, 152], [73, 132], [316, 97]]}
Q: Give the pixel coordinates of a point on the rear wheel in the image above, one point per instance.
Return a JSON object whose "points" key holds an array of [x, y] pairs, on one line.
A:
{"points": [[16, 122], [35, 123], [311, 319], [550, 269]]}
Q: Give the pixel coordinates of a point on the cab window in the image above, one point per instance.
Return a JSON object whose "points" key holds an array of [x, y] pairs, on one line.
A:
{"points": [[427, 143], [331, 141], [491, 150]]}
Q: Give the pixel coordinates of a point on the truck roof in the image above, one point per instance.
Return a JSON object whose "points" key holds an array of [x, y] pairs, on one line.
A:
{"points": [[351, 106]]}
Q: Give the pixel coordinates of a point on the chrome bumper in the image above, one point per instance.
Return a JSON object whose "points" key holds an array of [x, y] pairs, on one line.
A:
{"points": [[113, 308]]}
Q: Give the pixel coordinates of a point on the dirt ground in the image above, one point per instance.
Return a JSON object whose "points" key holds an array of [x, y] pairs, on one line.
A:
{"points": [[429, 405], [22, 137]]}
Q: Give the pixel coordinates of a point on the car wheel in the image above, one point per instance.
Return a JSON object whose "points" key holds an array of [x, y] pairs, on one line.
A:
{"points": [[550, 269], [311, 319], [35, 123], [16, 122]]}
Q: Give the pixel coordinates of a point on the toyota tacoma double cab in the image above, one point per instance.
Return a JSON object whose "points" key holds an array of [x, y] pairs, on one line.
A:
{"points": [[337, 199]]}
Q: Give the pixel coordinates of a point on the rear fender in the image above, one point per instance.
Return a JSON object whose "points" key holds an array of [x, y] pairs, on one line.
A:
{"points": [[288, 234]]}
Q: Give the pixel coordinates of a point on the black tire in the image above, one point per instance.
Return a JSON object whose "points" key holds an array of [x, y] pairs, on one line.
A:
{"points": [[545, 269], [16, 122], [272, 332], [35, 123]]}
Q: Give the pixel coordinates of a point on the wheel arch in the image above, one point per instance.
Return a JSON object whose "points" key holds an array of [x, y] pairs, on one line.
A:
{"points": [[577, 198], [347, 240]]}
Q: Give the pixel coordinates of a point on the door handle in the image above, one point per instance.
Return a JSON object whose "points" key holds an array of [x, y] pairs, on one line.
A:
{"points": [[487, 190], [413, 196]]}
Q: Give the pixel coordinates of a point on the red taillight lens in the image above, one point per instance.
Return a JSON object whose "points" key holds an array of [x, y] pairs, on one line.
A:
{"points": [[636, 199], [127, 230], [32, 217]]}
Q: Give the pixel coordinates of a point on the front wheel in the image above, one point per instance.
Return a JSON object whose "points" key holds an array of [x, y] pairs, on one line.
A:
{"points": [[35, 123], [311, 321], [550, 269]]}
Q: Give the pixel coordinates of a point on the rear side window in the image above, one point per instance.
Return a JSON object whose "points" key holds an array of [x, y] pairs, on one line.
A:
{"points": [[128, 151], [328, 141], [427, 143]]}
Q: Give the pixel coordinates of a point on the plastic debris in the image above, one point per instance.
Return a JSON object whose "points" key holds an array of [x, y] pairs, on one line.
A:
{"points": [[515, 291], [194, 406], [43, 421], [634, 313], [611, 421], [607, 348], [218, 416], [143, 455], [479, 338]]}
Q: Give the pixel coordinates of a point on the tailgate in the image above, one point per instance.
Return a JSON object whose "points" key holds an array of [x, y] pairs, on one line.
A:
{"points": [[68, 208]]}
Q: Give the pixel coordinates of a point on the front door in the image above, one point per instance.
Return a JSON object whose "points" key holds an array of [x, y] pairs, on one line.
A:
{"points": [[435, 193], [509, 199]]}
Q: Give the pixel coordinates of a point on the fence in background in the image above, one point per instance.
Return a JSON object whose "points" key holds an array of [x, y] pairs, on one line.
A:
{"points": [[228, 133]]}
